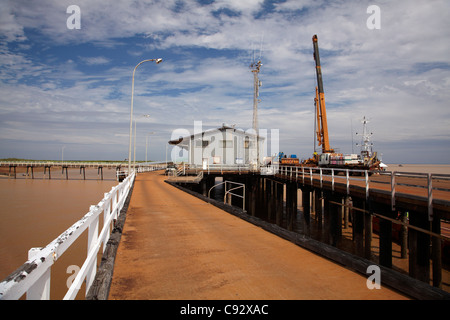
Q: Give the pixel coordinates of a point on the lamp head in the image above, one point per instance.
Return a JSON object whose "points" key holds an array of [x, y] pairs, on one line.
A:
{"points": [[158, 61]]}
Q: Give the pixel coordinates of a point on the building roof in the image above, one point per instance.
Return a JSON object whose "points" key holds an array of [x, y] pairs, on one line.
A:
{"points": [[211, 131]]}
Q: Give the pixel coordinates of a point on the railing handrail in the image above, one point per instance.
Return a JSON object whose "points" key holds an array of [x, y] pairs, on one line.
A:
{"points": [[33, 277], [240, 185], [289, 172]]}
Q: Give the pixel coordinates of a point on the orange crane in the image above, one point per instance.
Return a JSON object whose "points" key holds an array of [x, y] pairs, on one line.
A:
{"points": [[319, 101], [328, 157], [321, 112]]}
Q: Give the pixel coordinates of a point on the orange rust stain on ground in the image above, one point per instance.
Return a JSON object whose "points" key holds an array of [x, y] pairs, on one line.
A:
{"points": [[175, 246]]}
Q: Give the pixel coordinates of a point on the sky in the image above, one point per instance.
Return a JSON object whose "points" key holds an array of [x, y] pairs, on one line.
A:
{"points": [[65, 92]]}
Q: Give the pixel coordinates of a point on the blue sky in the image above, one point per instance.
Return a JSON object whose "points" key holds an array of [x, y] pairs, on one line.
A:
{"points": [[71, 88]]}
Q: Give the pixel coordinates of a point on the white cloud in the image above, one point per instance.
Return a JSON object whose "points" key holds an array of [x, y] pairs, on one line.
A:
{"points": [[395, 75], [95, 60]]}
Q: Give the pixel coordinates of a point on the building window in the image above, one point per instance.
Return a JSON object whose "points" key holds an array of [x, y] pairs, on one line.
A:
{"points": [[227, 144], [247, 144], [202, 143]]}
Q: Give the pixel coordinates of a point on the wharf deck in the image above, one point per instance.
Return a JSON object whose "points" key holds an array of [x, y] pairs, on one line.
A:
{"points": [[175, 246]]}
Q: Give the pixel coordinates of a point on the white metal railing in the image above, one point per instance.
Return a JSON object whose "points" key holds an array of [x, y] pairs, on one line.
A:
{"points": [[228, 191], [293, 172], [33, 277], [92, 164], [208, 168]]}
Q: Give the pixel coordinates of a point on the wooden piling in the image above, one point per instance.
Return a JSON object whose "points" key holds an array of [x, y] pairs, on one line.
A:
{"points": [[291, 204], [67, 174], [335, 220], [436, 250], [279, 203], [306, 206], [419, 247], [404, 235], [49, 171], [318, 207], [385, 242], [358, 225], [83, 168], [326, 236], [14, 167], [346, 211], [269, 199], [32, 172], [368, 231]]}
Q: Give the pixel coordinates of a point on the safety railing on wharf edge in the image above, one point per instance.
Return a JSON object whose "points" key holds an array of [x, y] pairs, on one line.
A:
{"points": [[33, 277], [228, 192], [331, 175]]}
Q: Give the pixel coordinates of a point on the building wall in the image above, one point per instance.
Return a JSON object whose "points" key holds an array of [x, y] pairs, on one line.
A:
{"points": [[222, 147]]}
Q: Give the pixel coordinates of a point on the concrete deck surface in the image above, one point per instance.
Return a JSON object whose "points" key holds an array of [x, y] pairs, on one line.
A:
{"points": [[175, 246]]}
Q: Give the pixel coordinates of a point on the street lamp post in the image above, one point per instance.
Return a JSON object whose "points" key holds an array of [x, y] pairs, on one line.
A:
{"points": [[146, 145], [131, 111], [134, 156], [62, 154]]}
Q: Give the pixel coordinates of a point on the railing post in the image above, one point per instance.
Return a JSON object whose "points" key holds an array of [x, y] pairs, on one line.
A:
{"points": [[40, 290], [430, 197], [367, 184], [114, 200], [348, 182], [243, 197], [332, 179], [320, 170], [392, 191], [106, 214], [303, 175], [92, 239]]}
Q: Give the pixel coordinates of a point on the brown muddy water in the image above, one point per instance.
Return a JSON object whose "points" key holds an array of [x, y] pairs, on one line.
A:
{"points": [[36, 211]]}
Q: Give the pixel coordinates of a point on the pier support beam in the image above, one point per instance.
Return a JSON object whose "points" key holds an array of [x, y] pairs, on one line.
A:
{"points": [[436, 250], [270, 201], [291, 204], [332, 218], [347, 201], [336, 220], [404, 235], [62, 172], [279, 203], [385, 233], [32, 173], [358, 225], [49, 171], [368, 231], [318, 209], [306, 208], [419, 247], [83, 168], [12, 166], [100, 170]]}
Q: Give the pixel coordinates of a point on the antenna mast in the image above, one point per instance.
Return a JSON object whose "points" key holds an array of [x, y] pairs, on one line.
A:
{"points": [[366, 146], [255, 66]]}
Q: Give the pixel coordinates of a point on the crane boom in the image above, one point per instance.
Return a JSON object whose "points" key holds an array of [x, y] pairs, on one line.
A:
{"points": [[322, 126]]}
